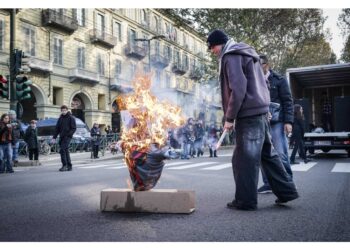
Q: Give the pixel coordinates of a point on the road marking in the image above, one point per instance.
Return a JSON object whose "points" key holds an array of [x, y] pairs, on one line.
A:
{"points": [[176, 163], [302, 167], [193, 165], [341, 168], [224, 154], [219, 167], [95, 166], [120, 167]]}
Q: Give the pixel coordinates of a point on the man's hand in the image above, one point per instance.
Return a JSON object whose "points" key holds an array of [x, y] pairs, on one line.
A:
{"points": [[53, 141], [288, 128], [269, 116], [229, 125]]}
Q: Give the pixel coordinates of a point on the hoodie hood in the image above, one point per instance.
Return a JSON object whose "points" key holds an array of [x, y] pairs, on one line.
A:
{"points": [[243, 49]]}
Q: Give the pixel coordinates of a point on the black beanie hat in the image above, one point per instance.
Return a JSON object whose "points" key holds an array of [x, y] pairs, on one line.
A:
{"points": [[216, 37]]}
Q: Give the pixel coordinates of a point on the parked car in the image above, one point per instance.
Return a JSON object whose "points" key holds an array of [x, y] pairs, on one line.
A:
{"points": [[81, 137]]}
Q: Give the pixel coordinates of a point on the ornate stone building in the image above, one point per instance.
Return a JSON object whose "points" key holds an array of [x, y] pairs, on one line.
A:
{"points": [[85, 58]]}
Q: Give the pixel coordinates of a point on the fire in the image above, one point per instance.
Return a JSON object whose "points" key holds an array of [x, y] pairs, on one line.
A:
{"points": [[151, 118]]}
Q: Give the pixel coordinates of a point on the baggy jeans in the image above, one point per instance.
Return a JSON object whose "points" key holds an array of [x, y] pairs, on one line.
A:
{"points": [[254, 149]]}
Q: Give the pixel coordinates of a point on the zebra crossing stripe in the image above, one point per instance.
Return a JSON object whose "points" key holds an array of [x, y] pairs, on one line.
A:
{"points": [[120, 167], [219, 167], [176, 163], [193, 165], [95, 166], [341, 168], [302, 167]]}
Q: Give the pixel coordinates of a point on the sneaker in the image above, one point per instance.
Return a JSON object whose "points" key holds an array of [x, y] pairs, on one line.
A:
{"points": [[306, 161], [233, 205], [264, 190], [62, 169]]}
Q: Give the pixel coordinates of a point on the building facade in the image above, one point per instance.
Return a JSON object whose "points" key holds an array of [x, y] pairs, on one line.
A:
{"points": [[86, 58]]}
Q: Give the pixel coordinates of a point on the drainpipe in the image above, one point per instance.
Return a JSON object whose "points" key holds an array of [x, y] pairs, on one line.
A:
{"points": [[109, 78]]}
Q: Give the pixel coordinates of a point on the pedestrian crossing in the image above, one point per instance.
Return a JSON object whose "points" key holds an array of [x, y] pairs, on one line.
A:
{"points": [[210, 165]]}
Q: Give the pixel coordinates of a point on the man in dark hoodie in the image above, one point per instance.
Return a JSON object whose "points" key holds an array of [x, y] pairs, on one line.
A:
{"points": [[245, 101], [65, 128]]}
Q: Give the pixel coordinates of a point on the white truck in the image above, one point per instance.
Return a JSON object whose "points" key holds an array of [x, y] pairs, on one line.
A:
{"points": [[310, 86]]}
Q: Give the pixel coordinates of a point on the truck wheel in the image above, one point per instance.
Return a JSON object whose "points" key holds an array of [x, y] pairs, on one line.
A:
{"points": [[325, 150]]}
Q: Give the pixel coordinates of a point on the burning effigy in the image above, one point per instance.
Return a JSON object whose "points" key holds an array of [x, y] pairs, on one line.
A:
{"points": [[145, 124]]}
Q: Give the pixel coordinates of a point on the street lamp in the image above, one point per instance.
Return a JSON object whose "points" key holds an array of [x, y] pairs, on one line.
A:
{"points": [[149, 45]]}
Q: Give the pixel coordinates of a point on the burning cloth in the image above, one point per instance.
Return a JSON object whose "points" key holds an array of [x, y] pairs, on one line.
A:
{"points": [[145, 124]]}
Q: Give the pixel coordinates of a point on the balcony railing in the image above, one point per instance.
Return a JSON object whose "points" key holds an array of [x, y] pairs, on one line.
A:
{"points": [[83, 75], [121, 85], [135, 51], [196, 74], [53, 18], [98, 36], [179, 69], [159, 61], [40, 65]]}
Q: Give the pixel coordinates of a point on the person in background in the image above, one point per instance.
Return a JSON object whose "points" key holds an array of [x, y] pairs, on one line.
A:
{"points": [[31, 138], [212, 140], [199, 134], [95, 134], [6, 143], [281, 126], [298, 134], [18, 133], [245, 102], [65, 128]]}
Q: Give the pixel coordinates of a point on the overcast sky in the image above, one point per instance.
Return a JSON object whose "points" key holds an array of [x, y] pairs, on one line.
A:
{"points": [[337, 42]]}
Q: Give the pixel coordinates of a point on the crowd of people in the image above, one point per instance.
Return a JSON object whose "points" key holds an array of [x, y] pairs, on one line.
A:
{"points": [[10, 134], [194, 137]]}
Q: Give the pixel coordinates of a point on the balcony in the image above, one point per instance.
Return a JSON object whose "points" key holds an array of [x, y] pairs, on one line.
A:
{"points": [[103, 38], [55, 19], [135, 51], [179, 69], [159, 61], [82, 75], [121, 85], [36, 64], [196, 74]]}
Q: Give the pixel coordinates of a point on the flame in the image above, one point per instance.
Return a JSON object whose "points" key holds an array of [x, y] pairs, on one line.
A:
{"points": [[152, 118]]}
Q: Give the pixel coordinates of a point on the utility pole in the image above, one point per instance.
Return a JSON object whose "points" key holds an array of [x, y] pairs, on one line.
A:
{"points": [[12, 87]]}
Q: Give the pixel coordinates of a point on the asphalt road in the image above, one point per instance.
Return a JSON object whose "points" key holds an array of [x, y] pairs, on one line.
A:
{"points": [[42, 204]]}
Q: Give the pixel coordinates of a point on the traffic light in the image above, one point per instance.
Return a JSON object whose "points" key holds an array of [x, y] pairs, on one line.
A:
{"points": [[21, 62], [4, 87], [22, 88]]}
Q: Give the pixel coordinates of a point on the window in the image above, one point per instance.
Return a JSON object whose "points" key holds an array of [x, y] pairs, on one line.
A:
{"points": [[157, 77], [81, 57], [118, 30], [57, 96], [29, 41], [100, 65], [132, 37], [58, 51], [118, 67], [167, 52], [167, 81], [185, 61], [2, 34], [156, 48], [177, 57], [132, 70], [80, 13], [100, 24], [156, 25], [143, 17]]}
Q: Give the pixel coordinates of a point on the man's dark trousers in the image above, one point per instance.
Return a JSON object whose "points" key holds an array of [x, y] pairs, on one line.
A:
{"points": [[254, 149], [64, 152]]}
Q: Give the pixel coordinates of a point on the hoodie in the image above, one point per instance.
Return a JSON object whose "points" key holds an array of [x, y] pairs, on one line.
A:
{"points": [[65, 126], [243, 87]]}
